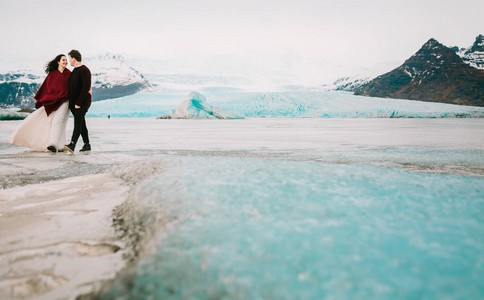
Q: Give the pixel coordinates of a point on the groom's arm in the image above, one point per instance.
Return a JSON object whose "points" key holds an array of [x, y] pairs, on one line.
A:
{"points": [[85, 78]]}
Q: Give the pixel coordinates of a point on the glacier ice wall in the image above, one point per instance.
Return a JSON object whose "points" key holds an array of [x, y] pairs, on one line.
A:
{"points": [[340, 105], [298, 104]]}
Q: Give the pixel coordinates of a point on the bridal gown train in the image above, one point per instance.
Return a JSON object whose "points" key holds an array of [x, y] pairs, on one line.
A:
{"points": [[38, 131]]}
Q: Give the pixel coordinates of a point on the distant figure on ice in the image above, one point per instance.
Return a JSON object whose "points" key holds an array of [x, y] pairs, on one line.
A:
{"points": [[45, 128], [79, 100], [197, 107]]}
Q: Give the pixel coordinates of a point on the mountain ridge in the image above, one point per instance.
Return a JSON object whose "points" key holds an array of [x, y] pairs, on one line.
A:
{"points": [[112, 78], [435, 73], [474, 55]]}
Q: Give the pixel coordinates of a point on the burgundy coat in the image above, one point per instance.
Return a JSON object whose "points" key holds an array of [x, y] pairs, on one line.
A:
{"points": [[53, 91]]}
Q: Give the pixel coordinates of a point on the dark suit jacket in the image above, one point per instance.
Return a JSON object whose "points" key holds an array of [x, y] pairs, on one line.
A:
{"points": [[79, 86]]}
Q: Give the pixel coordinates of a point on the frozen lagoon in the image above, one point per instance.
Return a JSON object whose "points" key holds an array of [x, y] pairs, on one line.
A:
{"points": [[286, 208]]}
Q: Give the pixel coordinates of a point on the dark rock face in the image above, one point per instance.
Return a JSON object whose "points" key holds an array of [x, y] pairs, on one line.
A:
{"points": [[104, 93], [18, 94], [436, 74], [18, 90], [112, 78], [478, 45]]}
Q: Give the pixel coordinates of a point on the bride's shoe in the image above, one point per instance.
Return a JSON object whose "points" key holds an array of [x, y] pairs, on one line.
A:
{"points": [[52, 149]]}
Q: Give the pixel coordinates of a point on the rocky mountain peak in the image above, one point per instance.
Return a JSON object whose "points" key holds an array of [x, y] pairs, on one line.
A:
{"points": [[431, 56], [434, 73], [474, 55], [434, 48], [432, 44], [478, 45]]}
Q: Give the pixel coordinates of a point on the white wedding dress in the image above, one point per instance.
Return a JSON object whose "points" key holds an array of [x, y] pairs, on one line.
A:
{"points": [[38, 131]]}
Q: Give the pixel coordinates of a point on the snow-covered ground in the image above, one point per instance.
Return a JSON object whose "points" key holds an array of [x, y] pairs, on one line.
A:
{"points": [[57, 237], [447, 145]]}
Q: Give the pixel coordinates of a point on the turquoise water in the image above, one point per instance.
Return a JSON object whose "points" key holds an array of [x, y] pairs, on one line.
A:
{"points": [[248, 228]]}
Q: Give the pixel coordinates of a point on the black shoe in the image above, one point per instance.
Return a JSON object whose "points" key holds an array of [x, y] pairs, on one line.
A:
{"points": [[86, 148], [70, 147], [52, 149]]}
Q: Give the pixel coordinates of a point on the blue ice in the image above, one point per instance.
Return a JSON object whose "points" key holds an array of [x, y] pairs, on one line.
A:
{"points": [[196, 106], [246, 228], [306, 104]]}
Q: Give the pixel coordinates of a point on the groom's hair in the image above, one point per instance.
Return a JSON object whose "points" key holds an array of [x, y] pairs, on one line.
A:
{"points": [[76, 54]]}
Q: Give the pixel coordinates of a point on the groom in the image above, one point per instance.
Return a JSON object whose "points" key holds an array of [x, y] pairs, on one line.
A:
{"points": [[79, 100]]}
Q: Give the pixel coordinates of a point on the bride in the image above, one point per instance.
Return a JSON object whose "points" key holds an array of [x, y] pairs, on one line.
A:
{"points": [[45, 128]]}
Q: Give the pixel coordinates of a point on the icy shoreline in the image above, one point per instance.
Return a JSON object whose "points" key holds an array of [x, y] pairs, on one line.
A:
{"points": [[70, 191], [57, 239], [67, 238]]}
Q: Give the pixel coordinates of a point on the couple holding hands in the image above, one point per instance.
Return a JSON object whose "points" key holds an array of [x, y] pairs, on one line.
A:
{"points": [[61, 91]]}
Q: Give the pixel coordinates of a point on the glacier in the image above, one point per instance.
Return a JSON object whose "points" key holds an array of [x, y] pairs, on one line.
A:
{"points": [[12, 114], [197, 107], [293, 102]]}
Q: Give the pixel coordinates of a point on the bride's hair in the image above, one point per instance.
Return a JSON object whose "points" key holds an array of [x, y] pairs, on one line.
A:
{"points": [[53, 64]]}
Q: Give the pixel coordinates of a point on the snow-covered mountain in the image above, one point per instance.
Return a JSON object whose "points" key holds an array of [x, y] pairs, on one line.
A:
{"points": [[18, 88], [358, 77], [255, 71], [474, 55], [112, 77], [21, 76], [435, 73], [349, 83]]}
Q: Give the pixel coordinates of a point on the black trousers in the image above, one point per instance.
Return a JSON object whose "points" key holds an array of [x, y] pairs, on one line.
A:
{"points": [[80, 128]]}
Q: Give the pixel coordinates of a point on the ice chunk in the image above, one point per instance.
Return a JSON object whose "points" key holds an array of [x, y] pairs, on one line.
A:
{"points": [[197, 107], [8, 114]]}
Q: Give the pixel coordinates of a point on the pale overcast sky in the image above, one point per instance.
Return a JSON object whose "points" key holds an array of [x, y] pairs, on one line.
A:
{"points": [[352, 30]]}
